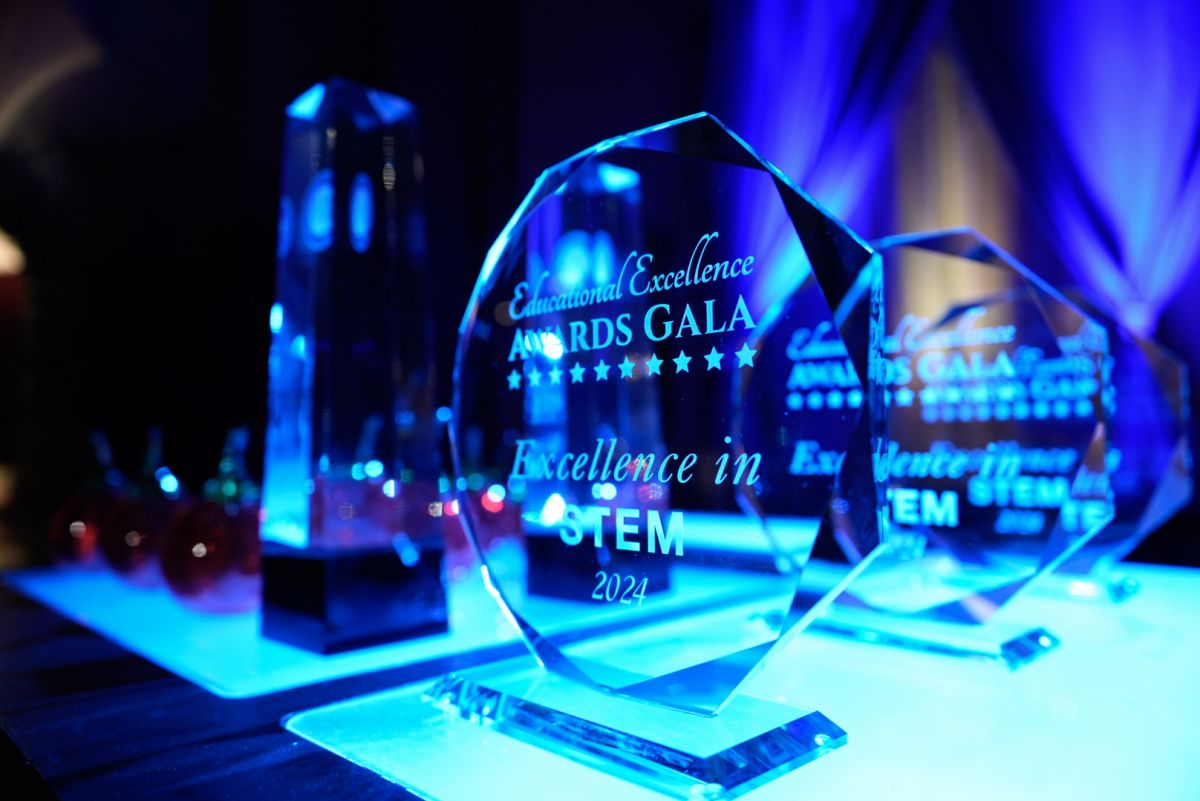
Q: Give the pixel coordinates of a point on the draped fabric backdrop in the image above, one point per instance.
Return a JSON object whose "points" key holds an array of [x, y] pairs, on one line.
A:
{"points": [[814, 87], [1098, 102]]}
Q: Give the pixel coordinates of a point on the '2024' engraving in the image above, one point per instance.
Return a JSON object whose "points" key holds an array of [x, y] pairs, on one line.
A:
{"points": [[615, 588]]}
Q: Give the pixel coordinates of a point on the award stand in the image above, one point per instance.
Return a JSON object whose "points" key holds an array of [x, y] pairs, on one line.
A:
{"points": [[618, 392], [1009, 643], [750, 742], [996, 459]]}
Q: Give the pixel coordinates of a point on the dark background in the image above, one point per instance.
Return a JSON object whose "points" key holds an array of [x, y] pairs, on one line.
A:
{"points": [[143, 190]]}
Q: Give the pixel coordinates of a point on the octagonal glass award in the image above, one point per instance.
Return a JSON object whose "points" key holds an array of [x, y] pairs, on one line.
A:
{"points": [[1149, 460], [628, 327], [996, 459]]}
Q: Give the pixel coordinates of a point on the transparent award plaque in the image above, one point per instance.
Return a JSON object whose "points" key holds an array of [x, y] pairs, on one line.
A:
{"points": [[352, 550], [623, 322], [997, 446], [1149, 461]]}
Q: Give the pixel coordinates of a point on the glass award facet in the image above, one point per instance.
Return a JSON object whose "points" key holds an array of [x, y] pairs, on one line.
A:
{"points": [[1149, 460], [352, 552], [622, 322], [997, 446]]}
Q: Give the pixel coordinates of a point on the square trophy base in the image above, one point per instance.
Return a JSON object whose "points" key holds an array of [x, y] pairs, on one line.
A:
{"points": [[1009, 643], [679, 754], [332, 600]]}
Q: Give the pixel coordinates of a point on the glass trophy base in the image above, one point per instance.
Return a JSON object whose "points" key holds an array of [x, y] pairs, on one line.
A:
{"points": [[1101, 586], [332, 600], [679, 754], [1009, 643]]}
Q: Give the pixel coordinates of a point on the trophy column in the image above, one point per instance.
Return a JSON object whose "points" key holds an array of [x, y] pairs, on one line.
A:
{"points": [[352, 554]]}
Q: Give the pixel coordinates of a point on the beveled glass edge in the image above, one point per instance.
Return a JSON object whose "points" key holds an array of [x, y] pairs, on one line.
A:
{"points": [[726, 774]]}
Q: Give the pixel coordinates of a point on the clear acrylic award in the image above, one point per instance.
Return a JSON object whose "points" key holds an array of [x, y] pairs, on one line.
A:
{"points": [[619, 406], [352, 551], [996, 460], [1149, 460]]}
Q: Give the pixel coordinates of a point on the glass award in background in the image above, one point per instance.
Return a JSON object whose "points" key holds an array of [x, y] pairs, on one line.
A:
{"points": [[210, 551], [352, 552], [133, 524], [621, 322], [1149, 461], [996, 460]]}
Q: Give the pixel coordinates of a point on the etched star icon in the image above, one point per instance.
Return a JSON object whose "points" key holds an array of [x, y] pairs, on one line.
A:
{"points": [[654, 365], [681, 362], [514, 380], [535, 377], [626, 368], [713, 357], [602, 370], [745, 356], [555, 375], [576, 373]]}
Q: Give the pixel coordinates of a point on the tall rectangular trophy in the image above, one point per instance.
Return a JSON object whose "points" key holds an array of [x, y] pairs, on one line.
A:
{"points": [[618, 388], [351, 549]]}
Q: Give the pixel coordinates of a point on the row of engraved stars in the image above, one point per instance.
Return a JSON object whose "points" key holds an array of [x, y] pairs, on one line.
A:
{"points": [[1021, 410], [932, 400], [628, 368], [837, 399]]}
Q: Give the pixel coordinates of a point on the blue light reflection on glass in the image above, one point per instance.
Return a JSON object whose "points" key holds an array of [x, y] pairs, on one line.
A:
{"points": [[305, 106], [552, 510], [409, 553], [318, 212], [389, 107], [572, 255], [362, 212], [617, 179]]}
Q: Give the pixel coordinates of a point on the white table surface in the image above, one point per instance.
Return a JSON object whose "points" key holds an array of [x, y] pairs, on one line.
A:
{"points": [[1114, 713]]}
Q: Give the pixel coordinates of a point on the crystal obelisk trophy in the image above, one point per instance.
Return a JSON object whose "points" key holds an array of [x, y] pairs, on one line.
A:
{"points": [[351, 554], [604, 392], [599, 208], [996, 461]]}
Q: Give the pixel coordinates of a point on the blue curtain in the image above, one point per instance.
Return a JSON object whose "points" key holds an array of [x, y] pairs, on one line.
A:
{"points": [[814, 86], [1098, 102]]}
